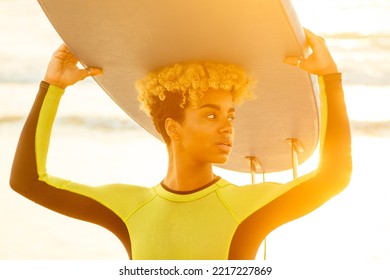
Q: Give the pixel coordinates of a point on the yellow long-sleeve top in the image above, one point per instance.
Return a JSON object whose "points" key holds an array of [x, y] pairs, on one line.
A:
{"points": [[219, 221]]}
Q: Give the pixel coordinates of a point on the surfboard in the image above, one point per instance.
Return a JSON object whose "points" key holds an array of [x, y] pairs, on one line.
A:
{"points": [[128, 39]]}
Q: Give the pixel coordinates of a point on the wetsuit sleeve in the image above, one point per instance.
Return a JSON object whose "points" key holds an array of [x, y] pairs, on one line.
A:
{"points": [[30, 179], [310, 191]]}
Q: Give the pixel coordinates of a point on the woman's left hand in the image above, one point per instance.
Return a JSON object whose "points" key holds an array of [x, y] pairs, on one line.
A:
{"points": [[319, 62]]}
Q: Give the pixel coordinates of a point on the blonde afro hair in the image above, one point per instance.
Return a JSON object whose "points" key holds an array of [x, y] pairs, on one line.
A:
{"points": [[192, 80], [168, 91]]}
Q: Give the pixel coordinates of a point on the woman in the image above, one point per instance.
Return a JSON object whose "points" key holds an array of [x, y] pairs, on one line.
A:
{"points": [[192, 213]]}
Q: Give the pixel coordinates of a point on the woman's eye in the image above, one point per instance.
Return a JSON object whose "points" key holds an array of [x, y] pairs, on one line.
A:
{"points": [[231, 118], [210, 116]]}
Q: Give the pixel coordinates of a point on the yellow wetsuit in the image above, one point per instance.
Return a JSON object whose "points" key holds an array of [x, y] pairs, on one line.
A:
{"points": [[218, 221]]}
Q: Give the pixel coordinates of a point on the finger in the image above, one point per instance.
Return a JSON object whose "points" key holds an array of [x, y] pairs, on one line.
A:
{"points": [[309, 34], [95, 71], [294, 61], [313, 39], [72, 59], [91, 71], [64, 48], [64, 53]]}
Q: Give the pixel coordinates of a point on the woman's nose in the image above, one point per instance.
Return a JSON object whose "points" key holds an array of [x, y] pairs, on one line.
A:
{"points": [[227, 127]]}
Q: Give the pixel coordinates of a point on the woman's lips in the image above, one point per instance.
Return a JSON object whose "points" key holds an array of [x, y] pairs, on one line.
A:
{"points": [[225, 146]]}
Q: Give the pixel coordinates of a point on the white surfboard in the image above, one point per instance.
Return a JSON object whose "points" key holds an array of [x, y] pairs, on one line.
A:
{"points": [[130, 38]]}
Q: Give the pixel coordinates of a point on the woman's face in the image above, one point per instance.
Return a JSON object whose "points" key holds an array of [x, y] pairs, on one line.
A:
{"points": [[207, 133]]}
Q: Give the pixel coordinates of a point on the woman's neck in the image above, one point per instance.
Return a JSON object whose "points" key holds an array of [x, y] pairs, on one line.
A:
{"points": [[184, 175]]}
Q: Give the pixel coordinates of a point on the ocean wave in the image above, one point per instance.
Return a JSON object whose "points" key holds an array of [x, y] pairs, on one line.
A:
{"points": [[99, 123], [87, 122], [364, 128], [356, 35], [371, 128], [362, 42], [363, 58]]}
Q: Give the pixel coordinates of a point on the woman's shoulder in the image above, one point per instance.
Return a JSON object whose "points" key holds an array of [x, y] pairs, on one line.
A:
{"points": [[121, 198], [245, 200]]}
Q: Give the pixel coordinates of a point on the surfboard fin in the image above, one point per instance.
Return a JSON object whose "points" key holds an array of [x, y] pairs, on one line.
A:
{"points": [[296, 147]]}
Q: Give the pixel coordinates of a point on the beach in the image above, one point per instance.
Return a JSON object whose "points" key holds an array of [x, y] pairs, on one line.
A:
{"points": [[94, 142]]}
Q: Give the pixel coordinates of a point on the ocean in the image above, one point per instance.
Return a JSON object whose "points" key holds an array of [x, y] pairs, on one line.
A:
{"points": [[94, 133]]}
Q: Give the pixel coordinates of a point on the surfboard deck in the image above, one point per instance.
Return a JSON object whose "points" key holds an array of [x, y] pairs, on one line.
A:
{"points": [[130, 38]]}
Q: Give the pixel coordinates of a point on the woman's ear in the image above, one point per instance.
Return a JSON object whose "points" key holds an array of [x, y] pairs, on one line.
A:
{"points": [[172, 128]]}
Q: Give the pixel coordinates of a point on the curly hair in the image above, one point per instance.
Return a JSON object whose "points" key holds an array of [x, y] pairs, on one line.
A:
{"points": [[167, 92]]}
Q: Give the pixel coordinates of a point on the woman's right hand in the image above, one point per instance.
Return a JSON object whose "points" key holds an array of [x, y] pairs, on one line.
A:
{"points": [[62, 70]]}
